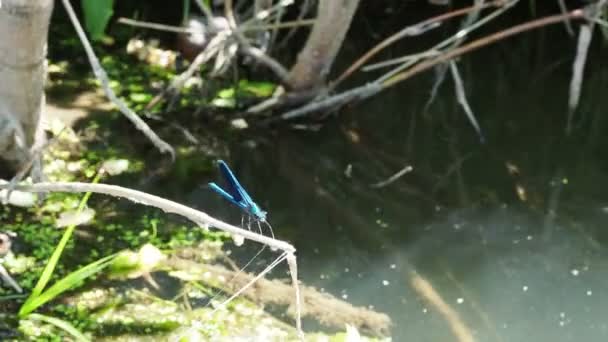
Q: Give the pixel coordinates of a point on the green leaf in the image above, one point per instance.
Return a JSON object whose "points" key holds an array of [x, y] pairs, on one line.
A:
{"points": [[259, 89], [97, 14], [140, 97], [227, 93], [61, 324], [54, 259], [66, 283], [51, 264]]}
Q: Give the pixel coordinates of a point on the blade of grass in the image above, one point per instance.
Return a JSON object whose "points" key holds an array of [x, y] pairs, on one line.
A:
{"points": [[54, 259], [66, 283], [63, 325]]}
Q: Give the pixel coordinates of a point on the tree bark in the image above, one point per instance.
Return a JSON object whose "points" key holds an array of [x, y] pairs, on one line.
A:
{"points": [[316, 58], [23, 41]]}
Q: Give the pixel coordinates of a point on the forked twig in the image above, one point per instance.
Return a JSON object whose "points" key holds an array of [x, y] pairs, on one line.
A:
{"points": [[479, 43]]}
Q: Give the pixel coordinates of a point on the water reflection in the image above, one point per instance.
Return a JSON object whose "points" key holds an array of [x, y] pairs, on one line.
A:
{"points": [[497, 242]]}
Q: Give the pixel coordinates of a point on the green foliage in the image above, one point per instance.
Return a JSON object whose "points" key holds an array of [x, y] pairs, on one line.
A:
{"points": [[97, 14]]}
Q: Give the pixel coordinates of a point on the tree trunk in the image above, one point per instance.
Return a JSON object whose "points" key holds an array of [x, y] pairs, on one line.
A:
{"points": [[23, 38], [315, 60]]}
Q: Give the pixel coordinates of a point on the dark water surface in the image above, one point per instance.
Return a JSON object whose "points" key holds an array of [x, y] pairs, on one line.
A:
{"points": [[510, 234]]}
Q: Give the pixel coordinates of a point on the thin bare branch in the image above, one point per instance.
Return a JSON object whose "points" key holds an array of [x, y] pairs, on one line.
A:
{"points": [[373, 88], [166, 205], [424, 288], [36, 154], [593, 12], [409, 31], [272, 64], [441, 70], [567, 24], [6, 277], [578, 67], [358, 93], [455, 39], [393, 178], [105, 84], [304, 9], [461, 96], [479, 43], [293, 269], [155, 26]]}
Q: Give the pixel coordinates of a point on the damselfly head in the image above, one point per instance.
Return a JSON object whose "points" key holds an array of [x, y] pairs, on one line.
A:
{"points": [[255, 211], [259, 213]]}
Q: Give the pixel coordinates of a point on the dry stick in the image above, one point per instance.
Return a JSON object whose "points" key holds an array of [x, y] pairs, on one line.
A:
{"points": [[426, 290], [180, 29], [304, 8], [293, 270], [275, 31], [461, 97], [441, 71], [393, 178], [474, 305], [155, 26], [358, 93], [578, 67], [278, 26], [272, 64], [563, 8], [206, 11], [35, 154], [493, 38], [407, 32], [168, 206], [105, 84], [6, 277]]}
